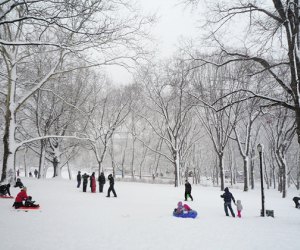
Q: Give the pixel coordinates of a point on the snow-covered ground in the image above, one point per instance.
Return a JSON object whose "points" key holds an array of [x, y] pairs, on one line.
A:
{"points": [[141, 218]]}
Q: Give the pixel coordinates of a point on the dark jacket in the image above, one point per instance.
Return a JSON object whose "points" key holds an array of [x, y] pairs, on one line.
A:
{"points": [[85, 178], [227, 196], [188, 187], [5, 189], [101, 179], [19, 183], [111, 180], [79, 177]]}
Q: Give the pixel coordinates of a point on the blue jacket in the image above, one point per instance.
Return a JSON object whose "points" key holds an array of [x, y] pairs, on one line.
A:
{"points": [[227, 196]]}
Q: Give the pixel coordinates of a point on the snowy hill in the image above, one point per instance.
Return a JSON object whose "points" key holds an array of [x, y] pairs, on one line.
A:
{"points": [[141, 218]]}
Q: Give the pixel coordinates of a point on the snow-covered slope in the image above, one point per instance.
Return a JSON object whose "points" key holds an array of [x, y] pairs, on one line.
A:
{"points": [[141, 218]]}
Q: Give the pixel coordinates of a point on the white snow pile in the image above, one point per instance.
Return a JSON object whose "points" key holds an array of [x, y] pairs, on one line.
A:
{"points": [[141, 218]]}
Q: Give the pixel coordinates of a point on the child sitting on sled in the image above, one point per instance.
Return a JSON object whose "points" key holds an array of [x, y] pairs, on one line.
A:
{"points": [[182, 208], [30, 203], [22, 196], [5, 190]]}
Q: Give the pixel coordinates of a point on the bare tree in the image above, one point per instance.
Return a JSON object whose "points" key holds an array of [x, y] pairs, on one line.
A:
{"points": [[170, 108], [57, 31]]}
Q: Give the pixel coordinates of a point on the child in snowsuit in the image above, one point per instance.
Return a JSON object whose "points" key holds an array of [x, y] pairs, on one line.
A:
{"points": [[182, 208], [5, 189], [296, 200], [111, 186], [30, 203], [239, 208], [188, 190], [227, 196], [19, 183]]}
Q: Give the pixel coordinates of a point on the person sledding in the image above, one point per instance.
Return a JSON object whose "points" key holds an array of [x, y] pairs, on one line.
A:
{"points": [[19, 183], [23, 197], [184, 211], [5, 190], [296, 201]]}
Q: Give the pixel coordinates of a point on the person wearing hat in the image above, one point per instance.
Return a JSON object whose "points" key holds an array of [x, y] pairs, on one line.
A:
{"points": [[21, 196], [227, 196], [19, 183], [78, 179], [111, 186]]}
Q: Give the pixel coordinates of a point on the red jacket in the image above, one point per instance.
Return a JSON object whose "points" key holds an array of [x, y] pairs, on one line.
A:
{"points": [[21, 196]]}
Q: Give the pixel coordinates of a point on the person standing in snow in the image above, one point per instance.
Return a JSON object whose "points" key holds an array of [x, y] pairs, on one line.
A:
{"points": [[188, 190], [93, 183], [78, 179], [111, 186], [101, 180], [239, 208], [85, 178], [227, 196], [36, 173]]}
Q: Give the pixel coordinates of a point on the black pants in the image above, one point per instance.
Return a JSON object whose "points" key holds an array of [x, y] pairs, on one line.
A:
{"points": [[101, 187], [111, 188], [78, 183], [84, 187], [17, 205], [187, 195], [226, 206]]}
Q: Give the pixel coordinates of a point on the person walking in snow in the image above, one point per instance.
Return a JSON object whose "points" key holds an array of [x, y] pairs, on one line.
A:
{"points": [[78, 179], [36, 173], [85, 178], [188, 190], [227, 196], [239, 208], [101, 180], [111, 186], [93, 183]]}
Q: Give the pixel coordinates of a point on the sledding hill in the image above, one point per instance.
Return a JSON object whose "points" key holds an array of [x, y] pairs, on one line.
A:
{"points": [[141, 218]]}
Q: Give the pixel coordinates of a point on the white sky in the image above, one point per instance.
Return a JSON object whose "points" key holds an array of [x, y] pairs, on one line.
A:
{"points": [[174, 22]]}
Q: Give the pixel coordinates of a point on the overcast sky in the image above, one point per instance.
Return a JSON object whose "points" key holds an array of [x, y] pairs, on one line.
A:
{"points": [[174, 22]]}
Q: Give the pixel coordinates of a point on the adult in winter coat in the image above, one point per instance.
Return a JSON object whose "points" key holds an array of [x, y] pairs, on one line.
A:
{"points": [[78, 179], [85, 178], [111, 186], [93, 183], [227, 196], [5, 189], [101, 180], [21, 196], [188, 190]]}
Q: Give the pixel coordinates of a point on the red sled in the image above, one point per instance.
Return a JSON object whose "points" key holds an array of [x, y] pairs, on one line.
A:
{"points": [[28, 208], [6, 197]]}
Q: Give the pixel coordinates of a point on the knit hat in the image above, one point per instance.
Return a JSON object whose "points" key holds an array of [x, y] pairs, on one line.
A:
{"points": [[179, 204]]}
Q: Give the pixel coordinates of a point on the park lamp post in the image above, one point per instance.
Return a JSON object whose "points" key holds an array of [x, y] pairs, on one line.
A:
{"points": [[260, 151]]}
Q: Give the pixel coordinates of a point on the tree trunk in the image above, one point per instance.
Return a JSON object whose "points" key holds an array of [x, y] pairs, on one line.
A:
{"points": [[246, 173], [221, 168]]}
